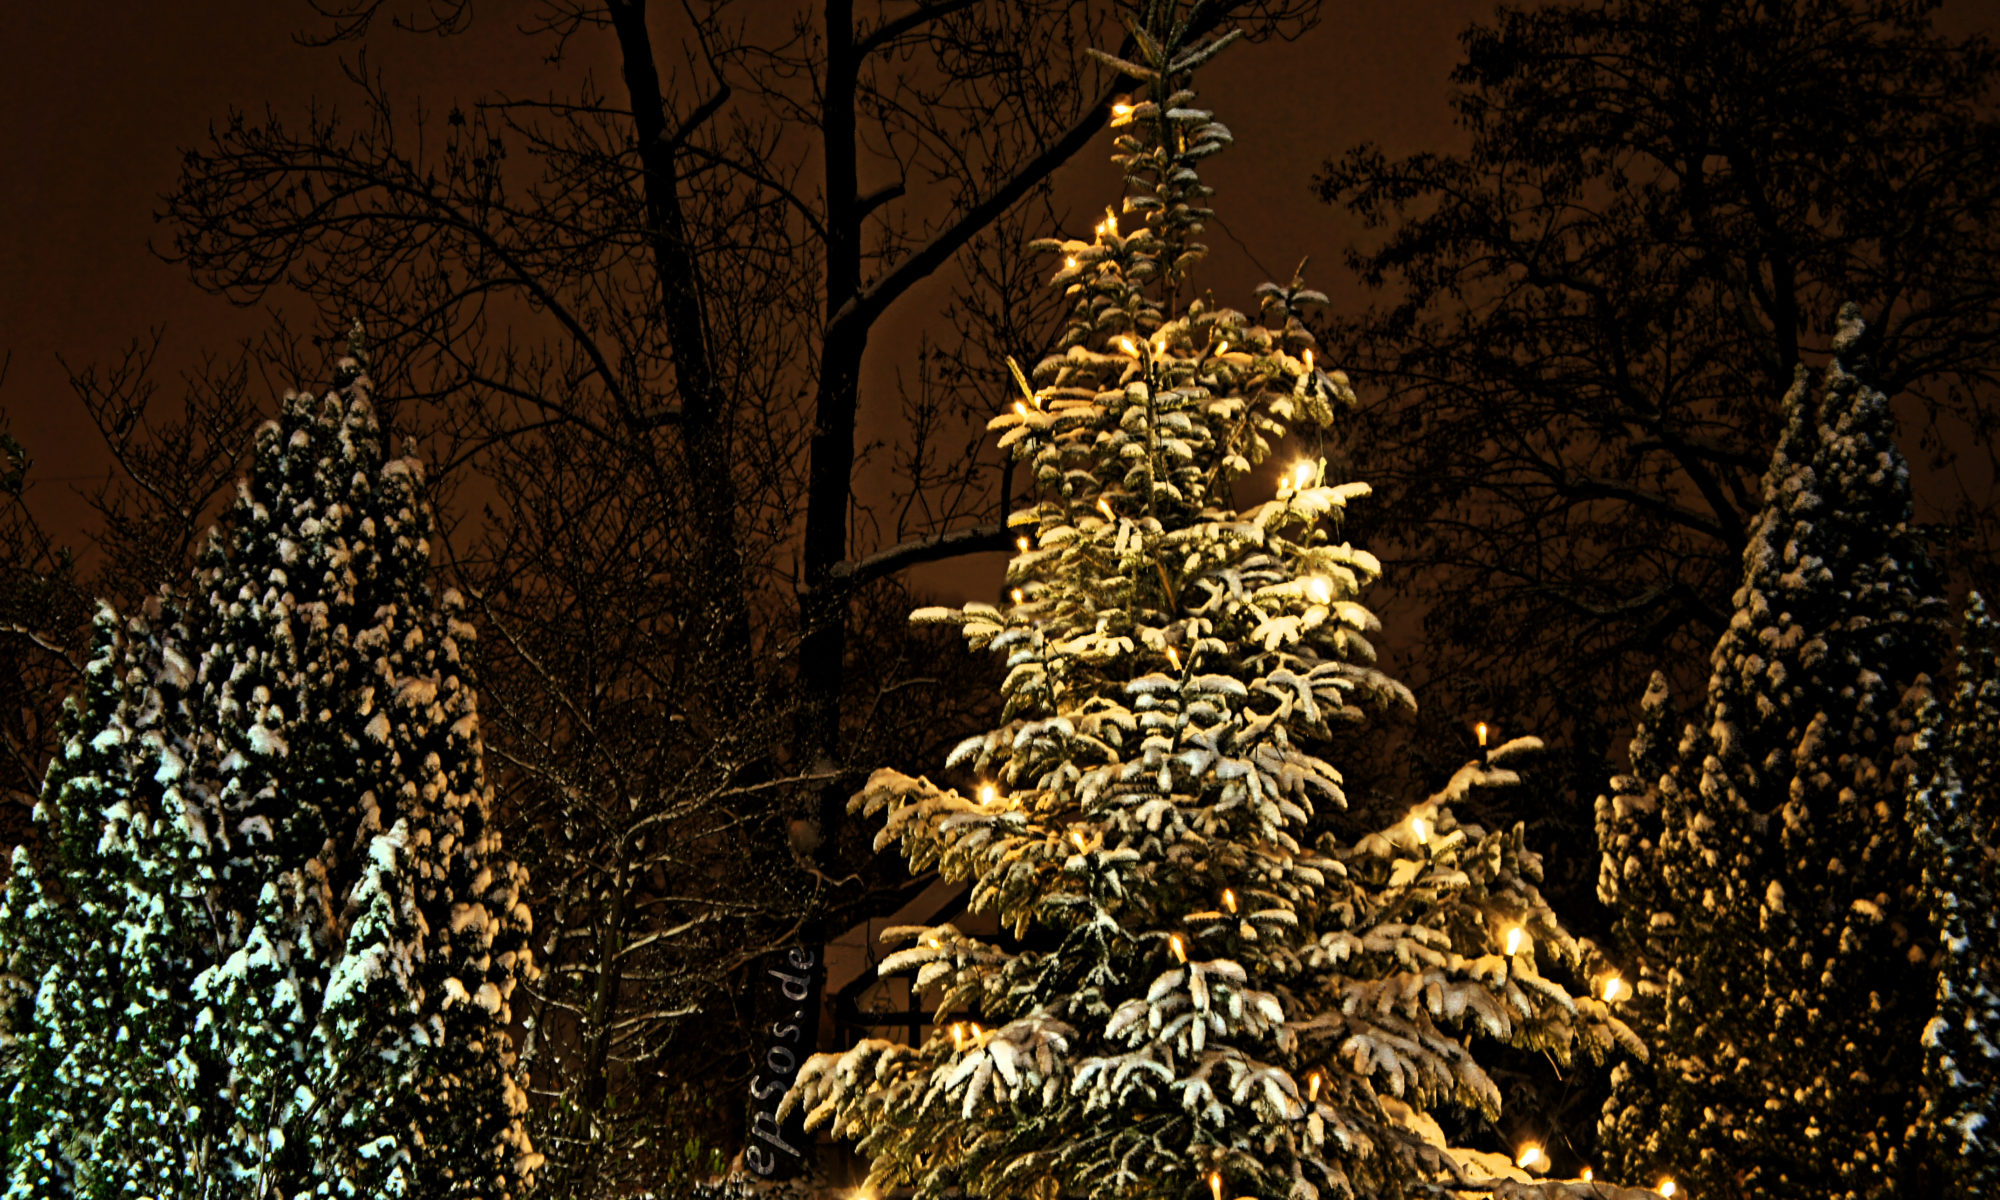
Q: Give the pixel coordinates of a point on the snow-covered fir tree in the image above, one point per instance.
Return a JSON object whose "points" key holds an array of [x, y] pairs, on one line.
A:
{"points": [[1762, 867], [1188, 994], [1952, 806], [339, 1024]]}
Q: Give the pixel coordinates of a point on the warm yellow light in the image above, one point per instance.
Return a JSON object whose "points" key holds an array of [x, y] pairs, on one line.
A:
{"points": [[1586, 1175], [1120, 110], [1480, 730], [1303, 474], [1222, 347], [1110, 221], [1614, 988], [1069, 263], [1021, 543], [1312, 1087], [1666, 1188], [988, 793], [1126, 344], [1517, 938], [972, 1032], [1319, 589], [1422, 829], [1530, 1157], [1215, 1184], [1019, 595], [1229, 899], [1020, 408], [1180, 947], [1309, 360], [1174, 657], [1104, 506], [1076, 835]]}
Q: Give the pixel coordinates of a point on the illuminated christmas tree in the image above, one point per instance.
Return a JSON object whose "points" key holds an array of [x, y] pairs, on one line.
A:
{"points": [[1189, 992]]}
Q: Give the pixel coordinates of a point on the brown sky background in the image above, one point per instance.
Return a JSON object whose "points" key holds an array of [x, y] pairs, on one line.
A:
{"points": [[100, 99]]}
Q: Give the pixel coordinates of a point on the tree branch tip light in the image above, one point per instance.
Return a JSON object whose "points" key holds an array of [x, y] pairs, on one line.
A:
{"points": [[1667, 1188], [1229, 899], [1319, 589], [1082, 846], [1174, 657], [1104, 506], [1180, 947], [1313, 1082], [1615, 988], [1020, 409], [1222, 347], [1422, 829], [1303, 473], [1215, 1184], [988, 794], [1531, 1156], [1021, 543], [1019, 595], [1587, 1175], [1069, 263], [1309, 360], [1517, 940], [1479, 730], [1127, 345]]}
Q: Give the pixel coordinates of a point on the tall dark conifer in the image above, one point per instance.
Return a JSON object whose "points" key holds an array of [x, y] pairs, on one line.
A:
{"points": [[1763, 866]]}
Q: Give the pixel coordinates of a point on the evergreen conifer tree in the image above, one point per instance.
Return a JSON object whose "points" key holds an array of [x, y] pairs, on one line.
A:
{"points": [[100, 1083], [1951, 809], [1762, 867], [1187, 994], [345, 1017]]}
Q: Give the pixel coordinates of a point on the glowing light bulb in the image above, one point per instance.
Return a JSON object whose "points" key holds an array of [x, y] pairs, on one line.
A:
{"points": [[1215, 1184], [1229, 899], [1222, 347], [1530, 1157], [1180, 947], [972, 1032], [1126, 344], [1110, 222], [1615, 987], [1586, 1176], [1174, 657], [1312, 1087], [1319, 590], [1119, 110], [988, 793], [1020, 408], [1517, 938], [957, 1036], [1480, 730], [1104, 506], [1076, 835], [1021, 543], [1422, 829], [1069, 263], [1019, 595], [1666, 1188], [1309, 360], [932, 942], [1303, 474]]}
